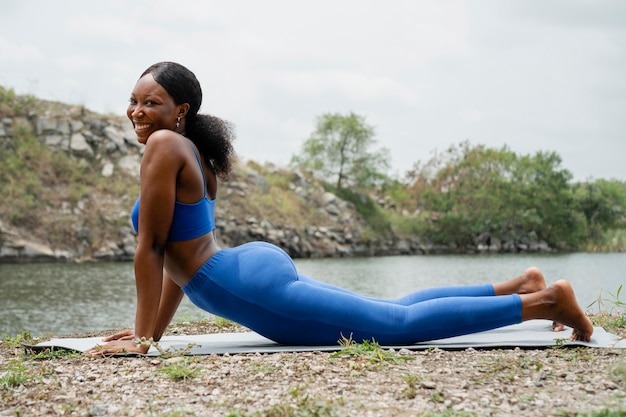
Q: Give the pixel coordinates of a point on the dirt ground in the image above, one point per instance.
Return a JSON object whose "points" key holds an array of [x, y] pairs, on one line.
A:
{"points": [[357, 381]]}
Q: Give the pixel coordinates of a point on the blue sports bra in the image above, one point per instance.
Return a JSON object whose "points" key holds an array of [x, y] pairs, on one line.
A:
{"points": [[190, 220]]}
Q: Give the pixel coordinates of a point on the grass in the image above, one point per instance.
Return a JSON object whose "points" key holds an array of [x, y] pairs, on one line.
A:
{"points": [[12, 104], [369, 351], [222, 323], [273, 199], [410, 391], [611, 312], [14, 374], [59, 198], [180, 369]]}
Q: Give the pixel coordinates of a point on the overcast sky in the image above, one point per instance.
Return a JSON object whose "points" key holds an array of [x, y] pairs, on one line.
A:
{"points": [[532, 75]]}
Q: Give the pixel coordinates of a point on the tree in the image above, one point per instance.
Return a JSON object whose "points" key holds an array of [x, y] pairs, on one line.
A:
{"points": [[340, 150], [469, 190], [603, 204]]}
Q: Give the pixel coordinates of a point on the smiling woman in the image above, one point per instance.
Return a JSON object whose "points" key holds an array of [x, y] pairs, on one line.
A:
{"points": [[257, 284]]}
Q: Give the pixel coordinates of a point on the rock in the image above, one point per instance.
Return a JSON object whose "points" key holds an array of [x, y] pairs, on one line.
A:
{"points": [[130, 164], [79, 145], [107, 169]]}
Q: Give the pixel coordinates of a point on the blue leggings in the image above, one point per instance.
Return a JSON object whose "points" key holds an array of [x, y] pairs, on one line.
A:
{"points": [[257, 286]]}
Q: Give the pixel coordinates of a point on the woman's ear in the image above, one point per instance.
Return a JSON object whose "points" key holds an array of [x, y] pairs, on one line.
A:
{"points": [[182, 110]]}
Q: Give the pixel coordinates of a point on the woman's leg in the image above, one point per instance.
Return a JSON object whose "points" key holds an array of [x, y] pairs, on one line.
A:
{"points": [[415, 297], [258, 287], [530, 281]]}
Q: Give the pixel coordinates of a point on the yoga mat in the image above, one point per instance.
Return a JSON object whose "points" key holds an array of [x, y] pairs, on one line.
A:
{"points": [[530, 334]]}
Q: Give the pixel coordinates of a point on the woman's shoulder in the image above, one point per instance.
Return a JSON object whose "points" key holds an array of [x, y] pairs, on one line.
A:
{"points": [[164, 136], [165, 145], [164, 140]]}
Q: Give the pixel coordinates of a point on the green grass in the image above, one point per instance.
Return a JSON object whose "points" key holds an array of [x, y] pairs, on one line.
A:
{"points": [[43, 191], [180, 370], [410, 391], [222, 323], [370, 351], [610, 312], [12, 104], [14, 374]]}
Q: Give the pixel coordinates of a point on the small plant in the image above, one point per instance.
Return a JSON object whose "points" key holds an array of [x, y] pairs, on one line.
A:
{"points": [[14, 342], [616, 305], [265, 369], [305, 406], [611, 312], [559, 342], [180, 370], [410, 391], [52, 353], [618, 374], [166, 353], [13, 375], [221, 322], [369, 350], [437, 397]]}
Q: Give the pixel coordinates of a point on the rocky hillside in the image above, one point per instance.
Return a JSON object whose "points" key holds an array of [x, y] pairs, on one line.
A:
{"points": [[259, 203], [69, 178]]}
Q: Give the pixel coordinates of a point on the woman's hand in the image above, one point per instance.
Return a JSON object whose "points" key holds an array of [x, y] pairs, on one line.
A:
{"points": [[123, 335], [122, 342]]}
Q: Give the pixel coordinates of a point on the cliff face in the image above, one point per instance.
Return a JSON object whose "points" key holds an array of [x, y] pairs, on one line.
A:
{"points": [[98, 227]]}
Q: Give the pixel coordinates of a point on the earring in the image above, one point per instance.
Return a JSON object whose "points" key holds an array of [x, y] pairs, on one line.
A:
{"points": [[177, 122]]}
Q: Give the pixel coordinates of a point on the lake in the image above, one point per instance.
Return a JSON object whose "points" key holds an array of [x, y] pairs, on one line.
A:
{"points": [[64, 299]]}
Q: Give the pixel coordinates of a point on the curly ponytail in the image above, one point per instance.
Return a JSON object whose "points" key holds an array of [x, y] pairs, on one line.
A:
{"points": [[213, 137]]}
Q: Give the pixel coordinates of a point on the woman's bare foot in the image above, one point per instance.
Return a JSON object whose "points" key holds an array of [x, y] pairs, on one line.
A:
{"points": [[570, 312], [530, 281], [558, 303]]}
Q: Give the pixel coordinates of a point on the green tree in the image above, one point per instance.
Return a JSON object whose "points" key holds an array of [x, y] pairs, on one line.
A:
{"points": [[468, 190], [603, 203], [340, 150], [547, 199]]}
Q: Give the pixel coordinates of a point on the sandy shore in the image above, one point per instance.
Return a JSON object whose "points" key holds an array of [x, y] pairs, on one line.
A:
{"points": [[548, 382]]}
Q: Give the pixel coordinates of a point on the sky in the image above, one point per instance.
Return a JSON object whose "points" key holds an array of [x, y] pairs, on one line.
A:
{"points": [[532, 75]]}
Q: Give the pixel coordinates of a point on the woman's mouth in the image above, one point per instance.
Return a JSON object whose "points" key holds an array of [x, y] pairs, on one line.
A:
{"points": [[141, 126]]}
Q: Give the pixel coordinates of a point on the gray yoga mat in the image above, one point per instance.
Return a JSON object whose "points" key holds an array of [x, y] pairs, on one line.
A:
{"points": [[530, 334]]}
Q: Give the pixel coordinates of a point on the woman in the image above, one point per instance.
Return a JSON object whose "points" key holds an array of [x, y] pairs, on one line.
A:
{"points": [[256, 284]]}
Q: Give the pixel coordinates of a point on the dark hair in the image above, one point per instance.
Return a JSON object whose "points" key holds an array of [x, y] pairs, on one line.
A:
{"points": [[212, 135]]}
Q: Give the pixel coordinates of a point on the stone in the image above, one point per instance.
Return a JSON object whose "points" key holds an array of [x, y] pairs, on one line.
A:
{"points": [[130, 164], [107, 169], [115, 136], [79, 145]]}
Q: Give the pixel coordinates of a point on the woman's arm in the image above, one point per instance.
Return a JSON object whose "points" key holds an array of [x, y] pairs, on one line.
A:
{"points": [[171, 296], [161, 162]]}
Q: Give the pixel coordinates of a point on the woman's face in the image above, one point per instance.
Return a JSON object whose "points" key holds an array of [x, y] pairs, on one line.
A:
{"points": [[151, 108]]}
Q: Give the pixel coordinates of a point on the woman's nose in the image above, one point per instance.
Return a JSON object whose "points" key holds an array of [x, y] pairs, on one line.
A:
{"points": [[137, 111]]}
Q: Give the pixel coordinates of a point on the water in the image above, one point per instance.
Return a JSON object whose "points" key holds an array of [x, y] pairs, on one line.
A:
{"points": [[65, 299]]}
